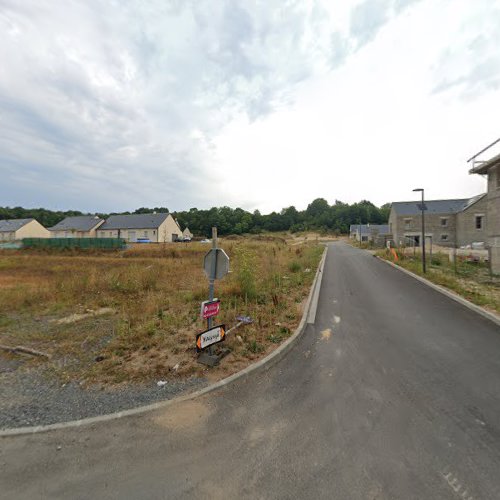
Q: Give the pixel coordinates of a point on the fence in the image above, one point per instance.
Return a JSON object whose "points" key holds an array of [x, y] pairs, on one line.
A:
{"points": [[83, 243]]}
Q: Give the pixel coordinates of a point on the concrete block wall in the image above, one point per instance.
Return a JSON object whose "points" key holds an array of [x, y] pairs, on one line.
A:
{"points": [[467, 232]]}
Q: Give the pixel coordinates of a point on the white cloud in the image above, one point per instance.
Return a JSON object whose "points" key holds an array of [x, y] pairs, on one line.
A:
{"points": [[106, 105]]}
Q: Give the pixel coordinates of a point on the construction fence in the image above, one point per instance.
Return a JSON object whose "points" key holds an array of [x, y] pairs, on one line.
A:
{"points": [[83, 243]]}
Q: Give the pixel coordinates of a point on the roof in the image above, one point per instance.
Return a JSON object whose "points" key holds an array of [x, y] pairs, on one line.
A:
{"points": [[431, 206], [13, 224], [483, 167], [78, 223], [369, 228], [474, 200], [134, 221]]}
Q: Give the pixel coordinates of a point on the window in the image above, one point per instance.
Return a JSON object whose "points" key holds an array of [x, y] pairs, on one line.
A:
{"points": [[145, 234], [444, 237], [444, 221], [479, 221], [408, 224], [154, 232]]}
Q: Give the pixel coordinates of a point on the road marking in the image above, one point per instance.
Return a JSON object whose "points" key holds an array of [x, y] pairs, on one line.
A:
{"points": [[326, 334], [458, 487], [336, 319]]}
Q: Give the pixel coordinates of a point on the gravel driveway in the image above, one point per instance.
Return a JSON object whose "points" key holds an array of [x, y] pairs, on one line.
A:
{"points": [[29, 397]]}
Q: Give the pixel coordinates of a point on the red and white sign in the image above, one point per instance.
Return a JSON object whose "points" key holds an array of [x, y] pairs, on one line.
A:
{"points": [[210, 308]]}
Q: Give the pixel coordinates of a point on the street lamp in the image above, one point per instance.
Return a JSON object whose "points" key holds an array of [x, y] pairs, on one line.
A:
{"points": [[422, 208]]}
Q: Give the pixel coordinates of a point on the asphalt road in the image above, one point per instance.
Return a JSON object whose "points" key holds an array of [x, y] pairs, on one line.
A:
{"points": [[393, 393]]}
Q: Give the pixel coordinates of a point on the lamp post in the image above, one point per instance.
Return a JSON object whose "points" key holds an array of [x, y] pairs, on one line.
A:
{"points": [[422, 208]]}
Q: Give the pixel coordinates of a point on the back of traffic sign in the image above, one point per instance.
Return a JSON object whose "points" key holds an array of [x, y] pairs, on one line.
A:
{"points": [[221, 263]]}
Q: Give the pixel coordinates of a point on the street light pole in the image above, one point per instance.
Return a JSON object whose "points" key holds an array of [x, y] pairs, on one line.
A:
{"points": [[422, 208]]}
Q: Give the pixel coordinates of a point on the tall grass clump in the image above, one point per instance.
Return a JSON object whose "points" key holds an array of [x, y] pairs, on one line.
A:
{"points": [[245, 274]]}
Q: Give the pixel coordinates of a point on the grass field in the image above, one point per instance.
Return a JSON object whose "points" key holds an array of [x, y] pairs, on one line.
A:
{"points": [[133, 314]]}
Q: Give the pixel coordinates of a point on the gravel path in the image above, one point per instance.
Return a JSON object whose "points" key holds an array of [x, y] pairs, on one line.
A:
{"points": [[28, 398]]}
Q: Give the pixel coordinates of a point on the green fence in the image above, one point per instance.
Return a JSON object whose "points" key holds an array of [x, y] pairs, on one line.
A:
{"points": [[105, 243]]}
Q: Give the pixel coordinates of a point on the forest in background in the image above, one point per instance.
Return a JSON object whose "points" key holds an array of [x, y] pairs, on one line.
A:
{"points": [[319, 215]]}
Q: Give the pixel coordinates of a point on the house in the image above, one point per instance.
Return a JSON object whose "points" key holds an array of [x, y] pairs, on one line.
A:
{"points": [[491, 168], [17, 229], [81, 226], [187, 233], [153, 227], [448, 223], [376, 233]]}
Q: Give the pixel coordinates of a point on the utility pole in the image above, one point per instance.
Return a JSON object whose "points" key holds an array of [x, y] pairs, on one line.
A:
{"points": [[422, 209]]}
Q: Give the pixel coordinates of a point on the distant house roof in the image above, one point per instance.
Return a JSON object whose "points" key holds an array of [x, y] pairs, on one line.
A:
{"points": [[369, 228], [13, 224], [134, 221], [483, 167], [77, 223], [432, 206]]}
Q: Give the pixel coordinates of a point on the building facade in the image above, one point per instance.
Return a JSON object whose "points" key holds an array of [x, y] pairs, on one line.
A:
{"points": [[491, 168], [448, 223], [370, 233], [81, 226], [156, 228], [17, 229]]}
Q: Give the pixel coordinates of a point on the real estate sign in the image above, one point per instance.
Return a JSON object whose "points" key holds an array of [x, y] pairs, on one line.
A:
{"points": [[210, 308]]}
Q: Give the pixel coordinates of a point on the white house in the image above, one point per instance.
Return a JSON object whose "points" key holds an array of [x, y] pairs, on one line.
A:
{"points": [[187, 233], [156, 228], [81, 226], [17, 229]]}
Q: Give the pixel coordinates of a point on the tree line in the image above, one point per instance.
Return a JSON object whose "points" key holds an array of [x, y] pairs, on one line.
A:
{"points": [[319, 215]]}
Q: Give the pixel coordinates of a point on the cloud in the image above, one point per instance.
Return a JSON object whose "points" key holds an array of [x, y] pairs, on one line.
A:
{"points": [[111, 95], [471, 65], [108, 105]]}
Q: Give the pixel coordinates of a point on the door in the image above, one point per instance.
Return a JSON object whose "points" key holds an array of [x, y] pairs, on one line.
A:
{"points": [[131, 236]]}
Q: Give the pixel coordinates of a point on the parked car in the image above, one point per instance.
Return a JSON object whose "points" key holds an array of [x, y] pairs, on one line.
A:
{"points": [[143, 240], [205, 241]]}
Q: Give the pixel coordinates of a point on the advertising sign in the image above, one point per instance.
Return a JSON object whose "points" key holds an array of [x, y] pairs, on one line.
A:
{"points": [[210, 308]]}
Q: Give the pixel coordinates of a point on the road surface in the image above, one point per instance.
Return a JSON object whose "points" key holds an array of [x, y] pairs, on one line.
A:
{"points": [[393, 393]]}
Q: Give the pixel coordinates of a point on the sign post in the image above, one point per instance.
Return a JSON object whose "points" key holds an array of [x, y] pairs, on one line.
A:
{"points": [[216, 266]]}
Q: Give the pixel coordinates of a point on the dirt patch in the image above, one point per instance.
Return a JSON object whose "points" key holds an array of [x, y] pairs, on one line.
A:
{"points": [[187, 416]]}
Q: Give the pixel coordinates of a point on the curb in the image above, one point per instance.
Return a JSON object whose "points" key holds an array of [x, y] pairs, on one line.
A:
{"points": [[263, 364], [457, 298]]}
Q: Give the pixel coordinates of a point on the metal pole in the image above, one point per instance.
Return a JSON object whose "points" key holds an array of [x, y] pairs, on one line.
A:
{"points": [[423, 234], [211, 281]]}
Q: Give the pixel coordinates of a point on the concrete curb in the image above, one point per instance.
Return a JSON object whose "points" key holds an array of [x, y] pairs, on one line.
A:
{"points": [[263, 364], [457, 298]]}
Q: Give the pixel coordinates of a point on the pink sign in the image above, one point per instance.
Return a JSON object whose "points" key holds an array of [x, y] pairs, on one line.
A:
{"points": [[210, 308]]}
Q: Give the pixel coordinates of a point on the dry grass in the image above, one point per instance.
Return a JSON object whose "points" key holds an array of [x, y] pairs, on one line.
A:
{"points": [[155, 292]]}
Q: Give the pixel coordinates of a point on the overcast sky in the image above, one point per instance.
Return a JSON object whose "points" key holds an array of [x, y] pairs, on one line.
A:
{"points": [[112, 105]]}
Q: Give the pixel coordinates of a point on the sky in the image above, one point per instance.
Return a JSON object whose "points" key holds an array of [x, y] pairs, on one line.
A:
{"points": [[119, 104]]}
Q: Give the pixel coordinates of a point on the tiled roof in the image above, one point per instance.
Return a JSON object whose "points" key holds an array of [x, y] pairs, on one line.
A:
{"points": [[13, 224], [134, 221], [77, 223], [431, 206]]}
